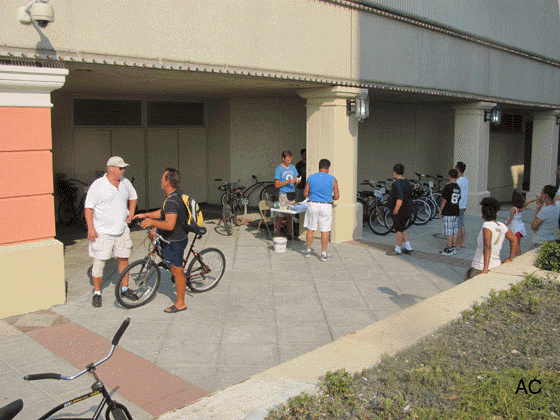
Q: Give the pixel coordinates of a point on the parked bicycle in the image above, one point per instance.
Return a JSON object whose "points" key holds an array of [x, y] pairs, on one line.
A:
{"points": [[234, 205], [203, 273], [70, 210], [114, 410], [268, 191], [376, 210]]}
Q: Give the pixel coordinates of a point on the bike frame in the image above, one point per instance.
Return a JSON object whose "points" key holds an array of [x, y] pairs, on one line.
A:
{"points": [[158, 251], [97, 388]]}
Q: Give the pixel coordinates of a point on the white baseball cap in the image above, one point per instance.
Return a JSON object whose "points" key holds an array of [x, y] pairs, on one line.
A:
{"points": [[117, 161]]}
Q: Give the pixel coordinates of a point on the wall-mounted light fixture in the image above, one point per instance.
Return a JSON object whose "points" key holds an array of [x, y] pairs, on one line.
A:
{"points": [[358, 106], [38, 11], [494, 116]]}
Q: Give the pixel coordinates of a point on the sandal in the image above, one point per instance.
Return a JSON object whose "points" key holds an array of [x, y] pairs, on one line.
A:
{"points": [[173, 309]]}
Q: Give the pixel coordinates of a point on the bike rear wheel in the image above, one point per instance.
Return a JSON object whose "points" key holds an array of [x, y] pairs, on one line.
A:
{"points": [[66, 212], [269, 193], [206, 270], [143, 281], [377, 220]]}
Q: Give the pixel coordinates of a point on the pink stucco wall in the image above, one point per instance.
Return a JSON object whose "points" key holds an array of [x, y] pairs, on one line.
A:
{"points": [[26, 175]]}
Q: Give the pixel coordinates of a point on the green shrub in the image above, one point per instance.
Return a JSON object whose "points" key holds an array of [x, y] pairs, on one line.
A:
{"points": [[549, 256]]}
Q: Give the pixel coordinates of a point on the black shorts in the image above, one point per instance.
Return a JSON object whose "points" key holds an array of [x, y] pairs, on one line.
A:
{"points": [[400, 221]]}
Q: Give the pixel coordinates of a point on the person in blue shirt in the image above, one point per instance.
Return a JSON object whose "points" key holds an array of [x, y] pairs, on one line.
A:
{"points": [[321, 189], [285, 179]]}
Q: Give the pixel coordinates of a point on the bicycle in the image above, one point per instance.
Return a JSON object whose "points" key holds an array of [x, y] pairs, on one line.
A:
{"points": [[204, 272], [69, 210], [376, 210], [268, 190], [234, 205], [114, 411]]}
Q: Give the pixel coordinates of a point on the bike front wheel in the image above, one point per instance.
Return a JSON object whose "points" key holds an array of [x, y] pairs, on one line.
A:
{"points": [[423, 212], [117, 412], [143, 282], [205, 270], [227, 219], [377, 220]]}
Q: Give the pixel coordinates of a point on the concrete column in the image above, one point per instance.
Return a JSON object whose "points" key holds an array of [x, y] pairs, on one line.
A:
{"points": [[544, 152], [333, 135], [31, 260], [472, 140]]}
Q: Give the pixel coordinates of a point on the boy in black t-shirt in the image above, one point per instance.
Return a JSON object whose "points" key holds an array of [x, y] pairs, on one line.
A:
{"points": [[449, 212]]}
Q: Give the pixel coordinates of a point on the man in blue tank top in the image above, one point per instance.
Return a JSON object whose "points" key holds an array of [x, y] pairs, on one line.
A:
{"points": [[321, 189]]}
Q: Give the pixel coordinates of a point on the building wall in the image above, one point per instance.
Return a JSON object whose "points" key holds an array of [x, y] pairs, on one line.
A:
{"points": [[242, 137], [506, 154], [419, 136], [306, 37], [261, 128], [525, 24]]}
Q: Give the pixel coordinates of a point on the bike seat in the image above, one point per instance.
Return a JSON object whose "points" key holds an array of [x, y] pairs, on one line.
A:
{"points": [[199, 230]]}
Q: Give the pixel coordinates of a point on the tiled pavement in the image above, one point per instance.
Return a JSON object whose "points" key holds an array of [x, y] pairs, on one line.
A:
{"points": [[269, 308]]}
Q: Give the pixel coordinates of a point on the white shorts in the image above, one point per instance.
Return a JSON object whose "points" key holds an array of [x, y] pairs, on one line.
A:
{"points": [[105, 246], [318, 214]]}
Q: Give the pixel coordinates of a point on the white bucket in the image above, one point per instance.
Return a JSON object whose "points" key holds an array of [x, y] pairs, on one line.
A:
{"points": [[280, 244]]}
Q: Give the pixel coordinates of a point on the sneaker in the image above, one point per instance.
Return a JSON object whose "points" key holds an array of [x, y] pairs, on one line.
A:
{"points": [[447, 251], [324, 256], [407, 251], [129, 294], [307, 253], [96, 301], [452, 250], [393, 252]]}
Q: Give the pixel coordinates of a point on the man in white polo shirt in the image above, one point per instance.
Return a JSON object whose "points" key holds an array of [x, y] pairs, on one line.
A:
{"points": [[110, 204]]}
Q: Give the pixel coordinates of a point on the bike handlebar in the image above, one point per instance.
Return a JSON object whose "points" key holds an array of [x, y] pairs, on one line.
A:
{"points": [[120, 331], [37, 376], [90, 367]]}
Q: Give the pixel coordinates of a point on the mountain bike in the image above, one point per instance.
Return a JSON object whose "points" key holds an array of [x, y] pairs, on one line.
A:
{"points": [[203, 273], [114, 410]]}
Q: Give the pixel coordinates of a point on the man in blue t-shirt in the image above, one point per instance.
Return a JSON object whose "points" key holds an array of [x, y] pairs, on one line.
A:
{"points": [[285, 179], [321, 189]]}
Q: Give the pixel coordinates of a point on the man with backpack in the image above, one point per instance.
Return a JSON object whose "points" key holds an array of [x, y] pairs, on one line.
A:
{"points": [[170, 222]]}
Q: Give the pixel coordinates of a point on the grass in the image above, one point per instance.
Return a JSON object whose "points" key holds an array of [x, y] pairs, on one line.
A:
{"points": [[500, 360]]}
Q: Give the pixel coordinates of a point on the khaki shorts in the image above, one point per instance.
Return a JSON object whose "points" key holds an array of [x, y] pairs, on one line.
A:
{"points": [[105, 246]]}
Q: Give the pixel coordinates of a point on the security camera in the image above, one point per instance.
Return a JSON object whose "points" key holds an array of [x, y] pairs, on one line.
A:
{"points": [[37, 10]]}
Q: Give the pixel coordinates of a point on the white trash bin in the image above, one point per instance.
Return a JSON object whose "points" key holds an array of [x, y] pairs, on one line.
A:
{"points": [[280, 244]]}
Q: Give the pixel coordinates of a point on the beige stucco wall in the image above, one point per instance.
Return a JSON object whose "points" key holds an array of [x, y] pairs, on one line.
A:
{"points": [[419, 136], [242, 137], [39, 285], [303, 37], [261, 128], [506, 150]]}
